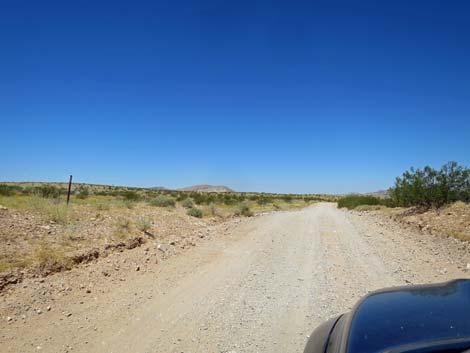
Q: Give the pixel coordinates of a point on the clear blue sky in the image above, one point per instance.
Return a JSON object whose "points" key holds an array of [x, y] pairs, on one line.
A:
{"points": [[282, 96]]}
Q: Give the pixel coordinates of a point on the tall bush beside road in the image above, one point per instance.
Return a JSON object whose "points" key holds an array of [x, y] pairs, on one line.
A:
{"points": [[432, 188]]}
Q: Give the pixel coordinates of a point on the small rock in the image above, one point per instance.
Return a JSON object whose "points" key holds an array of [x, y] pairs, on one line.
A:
{"points": [[137, 268], [468, 267], [161, 247], [39, 311], [9, 318], [48, 308]]}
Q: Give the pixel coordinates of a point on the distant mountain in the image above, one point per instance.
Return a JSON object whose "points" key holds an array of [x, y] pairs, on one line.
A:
{"points": [[207, 188], [158, 188]]}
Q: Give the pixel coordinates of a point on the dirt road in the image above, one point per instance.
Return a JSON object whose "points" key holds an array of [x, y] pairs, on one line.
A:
{"points": [[262, 287]]}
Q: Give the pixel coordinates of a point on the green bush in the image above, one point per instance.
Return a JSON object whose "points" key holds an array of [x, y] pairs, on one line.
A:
{"points": [[187, 203], [352, 201], [262, 200], [9, 190], [287, 198], [163, 201], [194, 212], [49, 191], [432, 188], [83, 193], [243, 210], [131, 195]]}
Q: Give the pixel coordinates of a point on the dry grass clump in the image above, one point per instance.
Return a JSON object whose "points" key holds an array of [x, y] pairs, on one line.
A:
{"points": [[144, 224], [52, 209], [50, 260], [123, 227]]}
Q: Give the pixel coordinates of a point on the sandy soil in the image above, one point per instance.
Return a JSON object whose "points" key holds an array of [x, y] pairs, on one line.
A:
{"points": [[255, 285]]}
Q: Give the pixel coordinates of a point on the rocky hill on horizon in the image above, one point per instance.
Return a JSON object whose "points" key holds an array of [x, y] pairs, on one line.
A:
{"points": [[207, 188]]}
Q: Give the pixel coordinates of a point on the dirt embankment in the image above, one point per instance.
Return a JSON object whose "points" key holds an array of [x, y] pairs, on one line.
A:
{"points": [[452, 220], [32, 245]]}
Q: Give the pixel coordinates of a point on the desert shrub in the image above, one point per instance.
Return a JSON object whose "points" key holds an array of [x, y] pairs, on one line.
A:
{"points": [[213, 210], [432, 188], [187, 203], [243, 209], [194, 212], [287, 198], [199, 198], [122, 227], [83, 193], [48, 191], [228, 199], [352, 201], [262, 200], [182, 196], [144, 224], [9, 190], [163, 201], [59, 213], [51, 209], [131, 195]]}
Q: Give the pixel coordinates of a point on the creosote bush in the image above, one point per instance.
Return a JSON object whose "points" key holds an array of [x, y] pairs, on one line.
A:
{"points": [[187, 203], [131, 196], [432, 188], [83, 193], [163, 201], [194, 212], [352, 201], [243, 209]]}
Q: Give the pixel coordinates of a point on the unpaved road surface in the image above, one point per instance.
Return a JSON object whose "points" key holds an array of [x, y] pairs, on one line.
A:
{"points": [[261, 287]]}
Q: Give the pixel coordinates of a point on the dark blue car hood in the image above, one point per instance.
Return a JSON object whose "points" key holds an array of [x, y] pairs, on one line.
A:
{"points": [[409, 315]]}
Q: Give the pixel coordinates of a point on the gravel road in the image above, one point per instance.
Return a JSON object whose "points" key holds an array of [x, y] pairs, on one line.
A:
{"points": [[261, 287]]}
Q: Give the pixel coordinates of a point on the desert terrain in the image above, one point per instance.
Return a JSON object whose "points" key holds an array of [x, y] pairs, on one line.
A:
{"points": [[241, 284]]}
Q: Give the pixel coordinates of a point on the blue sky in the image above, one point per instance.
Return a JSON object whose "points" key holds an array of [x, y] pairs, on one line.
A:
{"points": [[288, 96]]}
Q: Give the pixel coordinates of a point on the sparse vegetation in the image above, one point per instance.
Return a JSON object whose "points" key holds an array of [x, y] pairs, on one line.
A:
{"points": [[52, 210], [213, 210], [83, 193], [50, 260], [101, 215], [144, 224], [163, 201], [123, 227], [8, 190], [130, 196], [194, 212], [243, 210], [187, 203]]}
